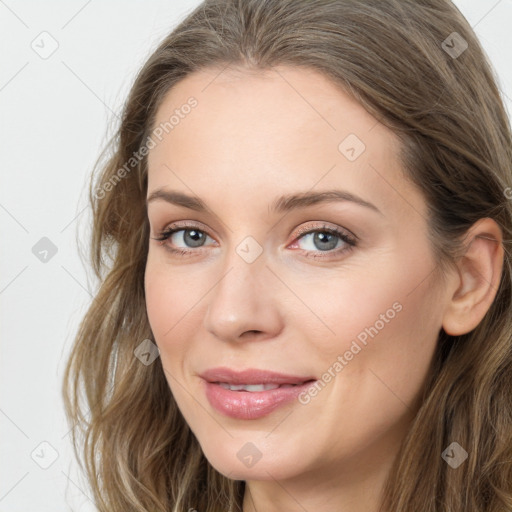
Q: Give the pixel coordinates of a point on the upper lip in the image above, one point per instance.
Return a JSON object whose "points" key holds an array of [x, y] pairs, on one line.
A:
{"points": [[252, 376]]}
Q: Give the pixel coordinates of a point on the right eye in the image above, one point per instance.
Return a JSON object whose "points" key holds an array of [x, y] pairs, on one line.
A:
{"points": [[191, 236]]}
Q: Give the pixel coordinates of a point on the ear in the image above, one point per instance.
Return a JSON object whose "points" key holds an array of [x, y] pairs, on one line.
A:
{"points": [[477, 280]]}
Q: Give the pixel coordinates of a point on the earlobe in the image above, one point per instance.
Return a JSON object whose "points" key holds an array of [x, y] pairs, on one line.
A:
{"points": [[479, 274]]}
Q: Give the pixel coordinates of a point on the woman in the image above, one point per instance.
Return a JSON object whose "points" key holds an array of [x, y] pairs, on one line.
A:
{"points": [[229, 361]]}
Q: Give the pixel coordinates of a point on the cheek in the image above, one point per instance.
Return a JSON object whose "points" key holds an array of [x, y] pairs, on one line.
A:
{"points": [[353, 305], [176, 302], [169, 301], [386, 327], [157, 294], [167, 304]]}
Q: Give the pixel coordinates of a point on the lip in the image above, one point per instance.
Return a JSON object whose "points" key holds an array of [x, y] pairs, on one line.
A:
{"points": [[252, 376], [247, 405]]}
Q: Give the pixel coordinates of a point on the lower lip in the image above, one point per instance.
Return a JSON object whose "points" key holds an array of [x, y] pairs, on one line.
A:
{"points": [[247, 405]]}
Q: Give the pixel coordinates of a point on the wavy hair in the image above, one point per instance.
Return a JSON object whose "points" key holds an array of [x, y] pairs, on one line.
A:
{"points": [[136, 448]]}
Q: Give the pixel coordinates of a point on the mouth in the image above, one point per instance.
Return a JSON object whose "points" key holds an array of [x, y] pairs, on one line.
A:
{"points": [[253, 377], [251, 394], [256, 388]]}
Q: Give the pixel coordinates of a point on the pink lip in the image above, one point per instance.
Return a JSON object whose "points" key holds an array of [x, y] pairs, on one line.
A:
{"points": [[252, 376], [250, 405]]}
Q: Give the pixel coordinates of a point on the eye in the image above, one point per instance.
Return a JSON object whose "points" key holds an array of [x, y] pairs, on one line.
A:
{"points": [[191, 236], [325, 239]]}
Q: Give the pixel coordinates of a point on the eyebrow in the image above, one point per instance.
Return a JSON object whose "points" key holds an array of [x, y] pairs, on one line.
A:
{"points": [[282, 204]]}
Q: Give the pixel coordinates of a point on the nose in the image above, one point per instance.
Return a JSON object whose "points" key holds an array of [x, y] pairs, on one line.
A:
{"points": [[244, 304]]}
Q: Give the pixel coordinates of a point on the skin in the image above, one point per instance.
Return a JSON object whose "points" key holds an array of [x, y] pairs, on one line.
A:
{"points": [[253, 137]]}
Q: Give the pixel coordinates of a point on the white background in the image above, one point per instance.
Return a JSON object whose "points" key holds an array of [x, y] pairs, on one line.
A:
{"points": [[55, 115]]}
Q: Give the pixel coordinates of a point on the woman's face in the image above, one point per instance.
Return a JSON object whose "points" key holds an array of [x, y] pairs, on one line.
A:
{"points": [[263, 281]]}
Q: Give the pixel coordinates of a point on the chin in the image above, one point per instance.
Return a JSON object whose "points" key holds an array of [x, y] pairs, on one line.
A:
{"points": [[242, 460]]}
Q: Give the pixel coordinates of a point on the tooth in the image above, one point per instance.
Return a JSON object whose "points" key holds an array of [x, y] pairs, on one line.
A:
{"points": [[254, 387], [248, 387], [235, 387]]}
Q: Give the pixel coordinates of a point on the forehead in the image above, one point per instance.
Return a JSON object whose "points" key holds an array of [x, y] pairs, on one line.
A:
{"points": [[281, 128], [271, 100]]}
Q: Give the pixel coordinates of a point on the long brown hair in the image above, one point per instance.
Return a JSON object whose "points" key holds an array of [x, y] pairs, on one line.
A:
{"points": [[396, 58]]}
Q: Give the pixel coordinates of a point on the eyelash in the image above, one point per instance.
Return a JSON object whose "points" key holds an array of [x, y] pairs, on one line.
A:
{"points": [[351, 241]]}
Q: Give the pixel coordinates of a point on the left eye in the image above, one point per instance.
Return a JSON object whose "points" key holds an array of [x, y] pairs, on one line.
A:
{"points": [[322, 240], [326, 239]]}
